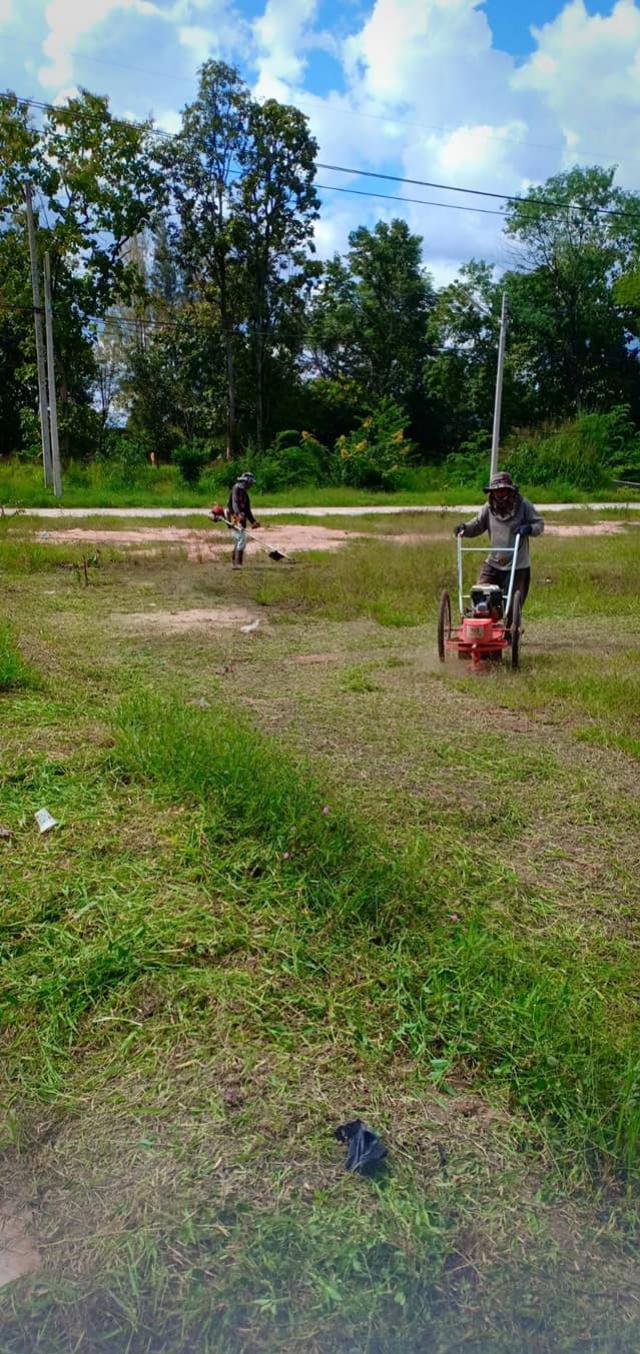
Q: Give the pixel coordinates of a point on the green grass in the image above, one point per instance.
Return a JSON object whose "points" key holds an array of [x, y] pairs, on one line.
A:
{"points": [[15, 673], [361, 886], [101, 485]]}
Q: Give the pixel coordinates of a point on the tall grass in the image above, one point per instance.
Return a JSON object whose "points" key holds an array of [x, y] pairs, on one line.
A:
{"points": [[550, 1024], [103, 485], [15, 673]]}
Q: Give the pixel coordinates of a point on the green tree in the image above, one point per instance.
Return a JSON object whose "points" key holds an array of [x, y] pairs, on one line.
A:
{"points": [[277, 205], [461, 373], [370, 315], [575, 236], [96, 185], [202, 162]]}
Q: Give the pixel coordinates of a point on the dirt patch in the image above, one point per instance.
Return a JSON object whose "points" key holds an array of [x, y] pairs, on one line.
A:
{"points": [[18, 1254], [590, 529], [208, 543], [177, 622]]}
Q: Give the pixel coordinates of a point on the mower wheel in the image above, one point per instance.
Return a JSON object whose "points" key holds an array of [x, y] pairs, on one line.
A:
{"points": [[444, 625], [516, 630]]}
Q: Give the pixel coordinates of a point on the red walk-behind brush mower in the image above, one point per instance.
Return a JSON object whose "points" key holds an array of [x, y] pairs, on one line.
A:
{"points": [[490, 619]]}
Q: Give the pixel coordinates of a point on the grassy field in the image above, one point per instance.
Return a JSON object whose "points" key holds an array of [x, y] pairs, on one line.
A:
{"points": [[301, 875], [98, 485]]}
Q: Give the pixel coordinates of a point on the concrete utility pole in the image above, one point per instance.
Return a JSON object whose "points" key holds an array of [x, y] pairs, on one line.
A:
{"points": [[51, 378], [37, 318], [497, 408]]}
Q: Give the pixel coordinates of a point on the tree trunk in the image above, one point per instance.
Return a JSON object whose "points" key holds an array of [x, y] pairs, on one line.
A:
{"points": [[259, 391], [230, 437]]}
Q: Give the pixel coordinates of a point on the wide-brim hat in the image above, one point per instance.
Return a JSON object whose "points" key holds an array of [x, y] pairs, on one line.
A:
{"points": [[502, 480]]}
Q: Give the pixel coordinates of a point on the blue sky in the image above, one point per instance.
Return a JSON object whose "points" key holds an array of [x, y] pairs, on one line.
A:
{"points": [[493, 94]]}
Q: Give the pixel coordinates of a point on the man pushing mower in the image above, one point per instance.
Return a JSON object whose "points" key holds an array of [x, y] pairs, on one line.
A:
{"points": [[506, 515]]}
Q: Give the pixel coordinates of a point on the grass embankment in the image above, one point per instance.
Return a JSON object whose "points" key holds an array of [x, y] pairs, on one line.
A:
{"points": [[203, 970], [99, 485]]}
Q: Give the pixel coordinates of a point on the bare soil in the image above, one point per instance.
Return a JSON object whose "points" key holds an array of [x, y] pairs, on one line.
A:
{"points": [[176, 622], [208, 544], [18, 1254], [205, 544]]}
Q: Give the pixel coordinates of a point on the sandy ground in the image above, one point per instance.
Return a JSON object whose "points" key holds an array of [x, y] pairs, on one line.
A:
{"points": [[209, 544], [17, 1253], [198, 618]]}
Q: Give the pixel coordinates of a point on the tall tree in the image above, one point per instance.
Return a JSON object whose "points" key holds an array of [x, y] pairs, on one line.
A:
{"points": [[96, 185], [203, 165], [461, 373], [277, 205], [370, 315], [575, 236]]}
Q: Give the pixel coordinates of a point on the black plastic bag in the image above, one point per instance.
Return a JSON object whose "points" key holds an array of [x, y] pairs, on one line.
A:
{"points": [[365, 1151]]}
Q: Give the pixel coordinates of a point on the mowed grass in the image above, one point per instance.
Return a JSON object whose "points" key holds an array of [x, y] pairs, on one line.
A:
{"points": [[223, 951]]}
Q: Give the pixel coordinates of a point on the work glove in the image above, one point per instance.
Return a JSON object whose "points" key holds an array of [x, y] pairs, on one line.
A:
{"points": [[459, 530], [525, 529]]}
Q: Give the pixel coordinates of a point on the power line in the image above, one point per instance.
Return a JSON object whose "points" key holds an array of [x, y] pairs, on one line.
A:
{"points": [[477, 192], [376, 174], [424, 202]]}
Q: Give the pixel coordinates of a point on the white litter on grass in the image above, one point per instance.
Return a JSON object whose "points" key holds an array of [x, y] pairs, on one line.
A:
{"points": [[45, 821], [247, 629]]}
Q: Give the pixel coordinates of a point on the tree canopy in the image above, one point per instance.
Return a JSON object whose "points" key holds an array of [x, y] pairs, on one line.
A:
{"points": [[190, 305]]}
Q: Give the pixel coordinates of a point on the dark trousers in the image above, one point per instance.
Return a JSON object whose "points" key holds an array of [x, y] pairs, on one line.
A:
{"points": [[521, 583]]}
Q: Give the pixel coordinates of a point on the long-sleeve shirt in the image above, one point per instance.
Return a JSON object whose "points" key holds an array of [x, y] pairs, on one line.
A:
{"points": [[240, 504], [503, 530]]}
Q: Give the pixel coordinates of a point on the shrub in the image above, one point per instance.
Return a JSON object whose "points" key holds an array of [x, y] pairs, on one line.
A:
{"points": [[190, 458], [469, 465], [587, 453], [375, 454], [292, 459]]}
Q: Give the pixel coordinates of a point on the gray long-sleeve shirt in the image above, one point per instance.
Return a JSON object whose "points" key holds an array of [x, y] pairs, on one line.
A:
{"points": [[503, 530]]}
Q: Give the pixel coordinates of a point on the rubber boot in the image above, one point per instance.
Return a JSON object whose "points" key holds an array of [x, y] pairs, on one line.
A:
{"points": [[239, 558]]}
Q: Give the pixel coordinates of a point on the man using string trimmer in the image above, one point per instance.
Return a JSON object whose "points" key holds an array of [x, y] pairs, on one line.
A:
{"points": [[239, 514], [236, 515], [506, 515]]}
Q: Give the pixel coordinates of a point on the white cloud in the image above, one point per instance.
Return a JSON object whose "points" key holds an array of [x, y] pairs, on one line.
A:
{"points": [[281, 35], [421, 90], [70, 20], [6, 11], [201, 42], [585, 72]]}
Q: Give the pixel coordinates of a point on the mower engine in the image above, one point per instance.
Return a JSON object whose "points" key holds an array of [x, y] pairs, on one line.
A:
{"points": [[481, 633], [486, 600]]}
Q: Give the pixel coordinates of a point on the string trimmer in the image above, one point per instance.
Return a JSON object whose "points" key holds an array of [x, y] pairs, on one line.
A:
{"points": [[218, 515]]}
